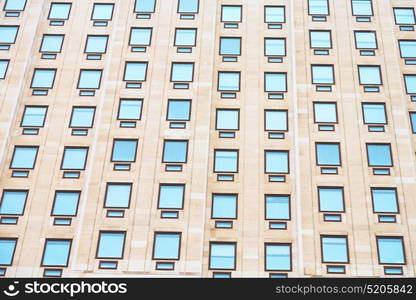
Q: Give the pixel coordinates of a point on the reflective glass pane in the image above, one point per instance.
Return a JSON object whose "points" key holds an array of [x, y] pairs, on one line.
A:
{"points": [[166, 246], [59, 11], [320, 39], [278, 257], [13, 202], [276, 120], [179, 110], [182, 72], [130, 109], [230, 46], [362, 8], [275, 82], [89, 79], [171, 196], [328, 154], [16, 5], [140, 36], [231, 13], [43, 78], [323, 74], [369, 75], [102, 11], [135, 71], [325, 112], [404, 16], [331, 199], [379, 155], [225, 161], [222, 256], [227, 119], [118, 195], [410, 81], [188, 6], [334, 249], [185, 37], [318, 7], [145, 6], [275, 47], [175, 151], [228, 81], [8, 34], [277, 162], [7, 247], [3, 68], [24, 157], [96, 44], [74, 158], [384, 200], [374, 113], [34, 116], [52, 43], [390, 250], [408, 49], [82, 117], [224, 206], [56, 252], [111, 245], [277, 207], [65, 204], [124, 150], [365, 40], [274, 14]]}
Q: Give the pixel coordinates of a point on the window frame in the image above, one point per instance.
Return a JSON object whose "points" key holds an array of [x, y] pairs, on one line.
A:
{"points": [[405, 83], [323, 83], [124, 161], [106, 195], [229, 38], [374, 103], [289, 207], [290, 257], [275, 38], [43, 38], [146, 63], [90, 88], [265, 82], [135, 8], [322, 102], [231, 5], [145, 28], [276, 110], [75, 147], [401, 7], [276, 151], [187, 12], [235, 210], [15, 36], [274, 6], [379, 237], [34, 160], [96, 35], [370, 84], [92, 120], [171, 184], [320, 30], [327, 6], [396, 200], [222, 243], [101, 3], [166, 233], [44, 118], [195, 30], [319, 188], [44, 252], [175, 140], [377, 166], [412, 124], [237, 161], [5, 69], [52, 214], [365, 31], [14, 190], [50, 10], [227, 109], [355, 15], [14, 248], [5, 4], [328, 143], [177, 100], [232, 90], [347, 248], [182, 63], [43, 69], [400, 48], [141, 100], [99, 244]]}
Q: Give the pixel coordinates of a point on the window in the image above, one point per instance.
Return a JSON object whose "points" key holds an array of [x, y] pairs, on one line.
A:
{"points": [[222, 256], [3, 68], [182, 72], [135, 71], [124, 150], [7, 248], [82, 117], [225, 161], [56, 253], [318, 7], [275, 82], [167, 245], [185, 37], [274, 14], [410, 82], [13, 202], [413, 121], [229, 81], [230, 46], [384, 200], [362, 8], [8, 34], [145, 6], [24, 157], [320, 39], [224, 206], [278, 257], [111, 244], [274, 47], [365, 39], [175, 151], [390, 250], [118, 195], [231, 13], [15, 5], [323, 74], [277, 207], [74, 158], [52, 43], [96, 44], [328, 154], [140, 36], [407, 48], [65, 203], [89, 79], [34, 116], [331, 199], [171, 196], [130, 109], [369, 75], [404, 16], [59, 11], [43, 78], [179, 110], [374, 113], [227, 119], [275, 120], [102, 11], [325, 112], [334, 249], [188, 6], [379, 155], [277, 162]]}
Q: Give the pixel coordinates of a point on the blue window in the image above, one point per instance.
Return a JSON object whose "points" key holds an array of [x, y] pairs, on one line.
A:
{"points": [[43, 78], [13, 202], [277, 162], [24, 157], [185, 37], [140, 36], [175, 151], [145, 6], [277, 207], [15, 5], [222, 256], [404, 16], [231, 13], [89, 79], [275, 82], [118, 195], [230, 46], [102, 11], [413, 121], [56, 253], [390, 250], [274, 47], [365, 39], [182, 72], [7, 248], [318, 7], [328, 154], [275, 120], [407, 48], [325, 112], [228, 81], [410, 82], [224, 206], [384, 200], [379, 155], [179, 110], [124, 150], [188, 6], [362, 8], [320, 39], [227, 119], [274, 14], [334, 249], [323, 74], [278, 257], [52, 43], [59, 11], [167, 245], [369, 75], [130, 109], [226, 161], [34, 116], [111, 244], [3, 68], [171, 196], [82, 117], [374, 113], [135, 71], [331, 199], [65, 203], [74, 158], [8, 34], [96, 44]]}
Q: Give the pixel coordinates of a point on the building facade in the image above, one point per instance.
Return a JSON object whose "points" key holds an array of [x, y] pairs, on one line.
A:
{"points": [[186, 138]]}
